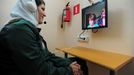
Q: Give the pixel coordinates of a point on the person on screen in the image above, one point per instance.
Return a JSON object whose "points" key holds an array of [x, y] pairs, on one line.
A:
{"points": [[24, 50], [91, 20], [101, 20]]}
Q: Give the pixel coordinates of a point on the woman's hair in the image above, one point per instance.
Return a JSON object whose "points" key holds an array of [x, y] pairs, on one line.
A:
{"points": [[39, 2], [94, 16]]}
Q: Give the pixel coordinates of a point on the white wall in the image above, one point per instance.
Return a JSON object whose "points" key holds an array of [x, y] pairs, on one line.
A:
{"points": [[5, 8], [118, 37]]}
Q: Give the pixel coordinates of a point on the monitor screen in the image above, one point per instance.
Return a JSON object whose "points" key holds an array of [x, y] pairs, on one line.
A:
{"points": [[95, 16]]}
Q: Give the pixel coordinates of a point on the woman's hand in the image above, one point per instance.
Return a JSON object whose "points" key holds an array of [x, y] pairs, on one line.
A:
{"points": [[76, 68]]}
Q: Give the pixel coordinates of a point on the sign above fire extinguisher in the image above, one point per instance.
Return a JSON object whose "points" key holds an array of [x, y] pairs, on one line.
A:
{"points": [[76, 9]]}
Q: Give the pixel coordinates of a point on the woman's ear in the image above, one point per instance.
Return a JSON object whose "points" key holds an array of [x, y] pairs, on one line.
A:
{"points": [[31, 5]]}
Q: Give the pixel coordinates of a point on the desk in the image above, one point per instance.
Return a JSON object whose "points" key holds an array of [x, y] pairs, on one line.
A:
{"points": [[109, 60]]}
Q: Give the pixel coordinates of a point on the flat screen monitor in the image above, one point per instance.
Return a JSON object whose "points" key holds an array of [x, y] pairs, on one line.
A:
{"points": [[95, 16]]}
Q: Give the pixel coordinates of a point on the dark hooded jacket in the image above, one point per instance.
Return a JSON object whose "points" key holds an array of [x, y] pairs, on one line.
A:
{"points": [[23, 53]]}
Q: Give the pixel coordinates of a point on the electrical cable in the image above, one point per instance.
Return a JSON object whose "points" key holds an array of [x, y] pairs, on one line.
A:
{"points": [[81, 33]]}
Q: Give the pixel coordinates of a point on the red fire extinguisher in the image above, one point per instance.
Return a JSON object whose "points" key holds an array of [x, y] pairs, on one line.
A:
{"points": [[66, 15]]}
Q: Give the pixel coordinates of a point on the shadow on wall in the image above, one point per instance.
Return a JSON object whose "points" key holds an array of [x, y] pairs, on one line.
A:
{"points": [[115, 26], [127, 70], [98, 70], [1, 23]]}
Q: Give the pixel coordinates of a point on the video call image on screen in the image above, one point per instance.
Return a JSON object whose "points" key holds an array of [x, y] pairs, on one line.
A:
{"points": [[95, 16]]}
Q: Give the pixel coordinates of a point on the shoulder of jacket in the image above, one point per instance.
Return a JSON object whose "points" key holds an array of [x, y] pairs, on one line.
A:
{"points": [[20, 24]]}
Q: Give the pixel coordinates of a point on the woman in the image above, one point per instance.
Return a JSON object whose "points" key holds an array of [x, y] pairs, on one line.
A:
{"points": [[24, 50], [91, 20]]}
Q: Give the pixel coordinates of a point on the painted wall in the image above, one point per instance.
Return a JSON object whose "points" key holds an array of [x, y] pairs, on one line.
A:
{"points": [[118, 37], [5, 9]]}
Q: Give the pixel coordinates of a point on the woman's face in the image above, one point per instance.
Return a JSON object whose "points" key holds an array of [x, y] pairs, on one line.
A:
{"points": [[91, 16], [41, 13]]}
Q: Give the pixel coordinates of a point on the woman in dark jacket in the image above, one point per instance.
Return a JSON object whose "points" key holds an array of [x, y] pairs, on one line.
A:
{"points": [[24, 51]]}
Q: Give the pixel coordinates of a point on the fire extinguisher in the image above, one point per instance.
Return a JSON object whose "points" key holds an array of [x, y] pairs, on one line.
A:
{"points": [[66, 15]]}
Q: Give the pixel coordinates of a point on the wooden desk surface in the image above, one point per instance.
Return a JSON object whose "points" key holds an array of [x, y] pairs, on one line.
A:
{"points": [[108, 60]]}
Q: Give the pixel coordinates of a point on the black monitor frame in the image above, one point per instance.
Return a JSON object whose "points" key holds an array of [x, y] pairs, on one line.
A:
{"points": [[86, 11]]}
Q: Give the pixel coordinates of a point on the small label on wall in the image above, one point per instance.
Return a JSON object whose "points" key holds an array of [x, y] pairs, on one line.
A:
{"points": [[76, 9]]}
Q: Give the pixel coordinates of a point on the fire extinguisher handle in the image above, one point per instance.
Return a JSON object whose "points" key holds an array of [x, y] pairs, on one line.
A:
{"points": [[67, 4]]}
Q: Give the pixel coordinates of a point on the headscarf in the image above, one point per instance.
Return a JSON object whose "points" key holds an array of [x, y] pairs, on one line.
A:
{"points": [[25, 9]]}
